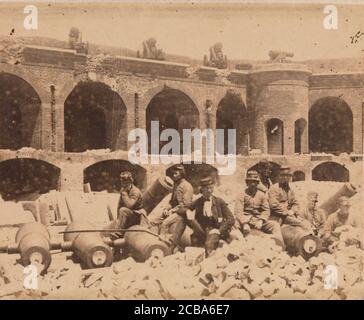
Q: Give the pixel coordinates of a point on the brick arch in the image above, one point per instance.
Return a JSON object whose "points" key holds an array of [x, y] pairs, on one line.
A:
{"points": [[105, 113], [24, 178], [231, 113], [300, 135], [197, 171], [331, 126], [104, 175], [20, 113], [273, 170], [174, 109], [330, 171], [155, 90], [27, 76], [274, 135]]}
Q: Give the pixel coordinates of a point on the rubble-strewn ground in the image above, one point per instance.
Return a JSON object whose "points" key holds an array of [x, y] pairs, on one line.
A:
{"points": [[249, 268]]}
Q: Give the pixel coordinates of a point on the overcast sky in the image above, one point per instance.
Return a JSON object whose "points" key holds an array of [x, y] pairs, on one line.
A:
{"points": [[246, 31]]}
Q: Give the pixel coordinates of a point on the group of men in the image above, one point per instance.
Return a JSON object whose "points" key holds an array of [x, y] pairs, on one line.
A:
{"points": [[262, 205]]}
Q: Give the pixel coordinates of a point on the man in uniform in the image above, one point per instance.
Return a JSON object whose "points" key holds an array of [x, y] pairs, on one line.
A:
{"points": [[169, 222], [212, 219], [252, 209], [282, 201], [130, 203], [341, 217], [316, 217]]}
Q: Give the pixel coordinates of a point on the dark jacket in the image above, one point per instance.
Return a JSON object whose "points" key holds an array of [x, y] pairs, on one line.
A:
{"points": [[222, 218], [182, 194]]}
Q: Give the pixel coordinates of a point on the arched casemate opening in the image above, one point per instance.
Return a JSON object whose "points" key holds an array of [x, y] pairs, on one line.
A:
{"points": [[300, 135], [105, 175], [174, 110], [232, 114], [298, 176], [197, 171], [20, 105], [330, 171], [94, 118], [271, 171], [274, 133], [330, 122], [26, 179]]}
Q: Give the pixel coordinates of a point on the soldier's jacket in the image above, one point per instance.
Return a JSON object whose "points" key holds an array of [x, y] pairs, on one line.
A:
{"points": [[334, 222], [135, 194], [221, 219], [182, 193], [316, 217], [252, 205], [281, 200]]}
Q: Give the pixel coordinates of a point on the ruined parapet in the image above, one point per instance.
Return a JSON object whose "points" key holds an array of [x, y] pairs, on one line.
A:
{"points": [[11, 51], [115, 64], [62, 58]]}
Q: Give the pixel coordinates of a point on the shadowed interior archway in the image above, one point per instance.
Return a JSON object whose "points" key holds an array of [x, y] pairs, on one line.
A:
{"points": [[300, 135], [26, 178], [330, 171], [232, 114], [330, 123], [274, 134], [94, 118], [20, 109], [174, 110], [105, 175], [197, 171], [273, 168]]}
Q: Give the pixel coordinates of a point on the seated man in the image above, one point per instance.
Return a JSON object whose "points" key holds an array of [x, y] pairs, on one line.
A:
{"points": [[283, 204], [341, 217], [130, 203], [212, 221], [315, 217], [169, 222], [252, 209]]}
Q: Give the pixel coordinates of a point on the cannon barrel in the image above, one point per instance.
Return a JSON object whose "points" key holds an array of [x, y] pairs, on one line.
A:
{"points": [[88, 247], [300, 242], [156, 192], [33, 245], [143, 245], [332, 204]]}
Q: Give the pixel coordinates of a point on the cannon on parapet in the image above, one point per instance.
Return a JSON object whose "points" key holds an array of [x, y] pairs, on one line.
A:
{"points": [[150, 50], [217, 58], [279, 56]]}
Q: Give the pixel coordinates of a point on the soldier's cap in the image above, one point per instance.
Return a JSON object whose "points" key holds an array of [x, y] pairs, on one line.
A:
{"points": [[208, 181], [312, 195], [285, 171], [252, 175], [126, 176], [344, 201]]}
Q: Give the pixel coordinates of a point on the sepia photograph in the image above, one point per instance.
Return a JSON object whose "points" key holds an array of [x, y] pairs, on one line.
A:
{"points": [[205, 151]]}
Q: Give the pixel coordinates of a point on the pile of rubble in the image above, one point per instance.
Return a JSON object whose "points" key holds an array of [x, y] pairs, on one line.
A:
{"points": [[249, 268], [11, 50]]}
